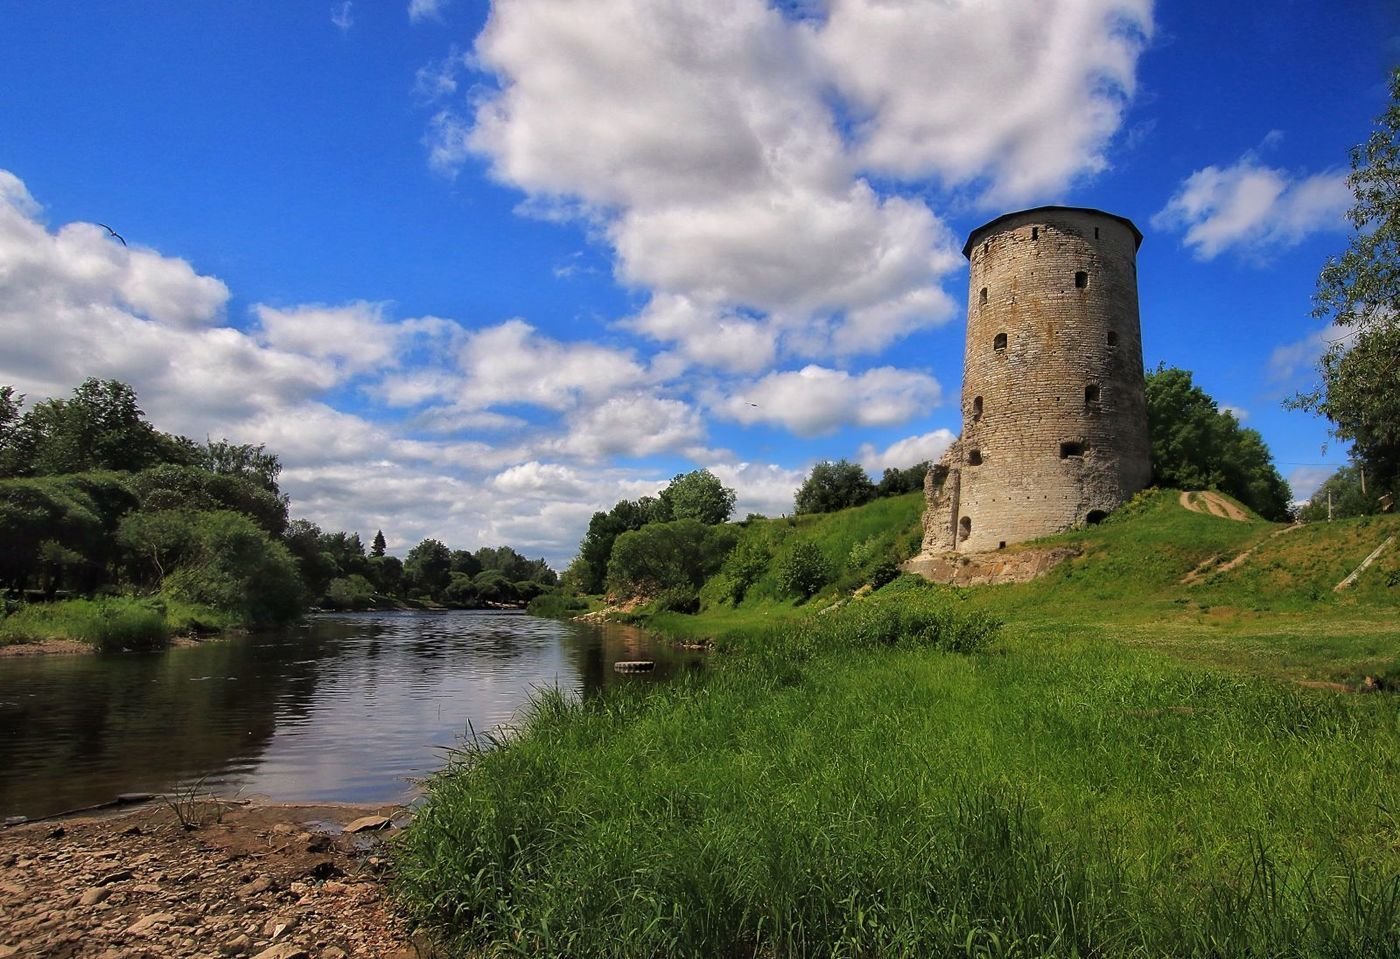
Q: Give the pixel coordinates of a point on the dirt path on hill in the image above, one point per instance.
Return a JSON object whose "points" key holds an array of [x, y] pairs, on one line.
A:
{"points": [[1209, 567], [1213, 504]]}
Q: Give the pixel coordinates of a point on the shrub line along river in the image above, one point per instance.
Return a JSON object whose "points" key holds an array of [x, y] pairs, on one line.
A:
{"points": [[344, 708]]}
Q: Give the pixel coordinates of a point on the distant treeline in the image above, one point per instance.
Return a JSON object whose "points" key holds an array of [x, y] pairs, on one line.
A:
{"points": [[94, 501]]}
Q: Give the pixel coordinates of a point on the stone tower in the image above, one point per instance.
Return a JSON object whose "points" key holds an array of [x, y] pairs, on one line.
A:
{"points": [[1054, 414]]}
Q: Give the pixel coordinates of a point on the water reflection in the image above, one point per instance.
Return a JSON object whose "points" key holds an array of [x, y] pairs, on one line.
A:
{"points": [[344, 708]]}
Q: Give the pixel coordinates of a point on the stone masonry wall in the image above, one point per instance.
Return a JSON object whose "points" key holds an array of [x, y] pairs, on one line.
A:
{"points": [[1054, 413]]}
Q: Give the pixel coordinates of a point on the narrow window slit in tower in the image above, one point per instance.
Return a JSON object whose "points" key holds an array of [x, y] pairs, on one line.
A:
{"points": [[966, 526], [1070, 448], [974, 457], [1091, 394], [982, 297], [999, 343], [1112, 338], [977, 409], [1096, 233], [1081, 280], [1035, 233]]}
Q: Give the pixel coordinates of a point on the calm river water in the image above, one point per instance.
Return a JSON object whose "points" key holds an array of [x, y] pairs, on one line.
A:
{"points": [[348, 708]]}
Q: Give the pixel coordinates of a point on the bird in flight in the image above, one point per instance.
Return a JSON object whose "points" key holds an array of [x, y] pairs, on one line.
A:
{"points": [[112, 232]]}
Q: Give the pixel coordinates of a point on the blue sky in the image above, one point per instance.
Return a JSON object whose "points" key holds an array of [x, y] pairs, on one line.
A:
{"points": [[476, 270]]}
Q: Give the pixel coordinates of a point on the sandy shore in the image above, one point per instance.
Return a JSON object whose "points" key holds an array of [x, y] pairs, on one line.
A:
{"points": [[49, 647], [254, 881]]}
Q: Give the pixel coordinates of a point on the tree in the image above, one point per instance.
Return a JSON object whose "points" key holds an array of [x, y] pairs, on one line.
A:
{"points": [[78, 513], [317, 567], [156, 543], [834, 486], [1360, 293], [461, 591], [698, 495], [386, 573], [173, 486], [242, 459], [13, 447], [604, 529], [428, 568], [378, 547], [1196, 446], [1339, 497], [660, 556], [465, 563], [896, 482], [99, 428]]}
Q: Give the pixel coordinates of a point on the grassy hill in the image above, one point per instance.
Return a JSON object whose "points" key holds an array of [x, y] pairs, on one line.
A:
{"points": [[1254, 596], [1131, 765]]}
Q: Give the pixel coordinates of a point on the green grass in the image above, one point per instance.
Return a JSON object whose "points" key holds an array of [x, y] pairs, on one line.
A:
{"points": [[1275, 615], [113, 624], [110, 625], [854, 542], [1131, 767]]}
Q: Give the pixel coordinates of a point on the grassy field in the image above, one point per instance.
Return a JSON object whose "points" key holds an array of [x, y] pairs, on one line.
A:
{"points": [[1127, 766]]}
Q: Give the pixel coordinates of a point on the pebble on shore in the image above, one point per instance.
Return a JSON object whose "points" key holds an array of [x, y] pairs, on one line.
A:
{"points": [[251, 882]]}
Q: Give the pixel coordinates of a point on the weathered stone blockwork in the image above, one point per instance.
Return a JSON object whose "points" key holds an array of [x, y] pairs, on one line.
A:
{"points": [[1054, 413]]}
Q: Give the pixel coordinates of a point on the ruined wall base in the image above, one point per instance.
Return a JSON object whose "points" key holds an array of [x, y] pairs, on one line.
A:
{"points": [[942, 486], [988, 569]]}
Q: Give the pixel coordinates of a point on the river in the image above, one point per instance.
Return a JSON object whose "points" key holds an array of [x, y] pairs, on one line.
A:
{"points": [[343, 708]]}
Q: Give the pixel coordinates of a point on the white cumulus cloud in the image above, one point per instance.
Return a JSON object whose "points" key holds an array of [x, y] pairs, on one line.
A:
{"points": [[634, 424], [762, 488], [357, 336], [1023, 96], [514, 363], [926, 447], [815, 399], [1253, 209], [730, 145]]}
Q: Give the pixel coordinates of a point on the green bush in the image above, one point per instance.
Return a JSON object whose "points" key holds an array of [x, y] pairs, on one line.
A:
{"points": [[556, 605], [349, 592], [677, 599], [804, 570], [238, 568], [883, 574], [743, 567]]}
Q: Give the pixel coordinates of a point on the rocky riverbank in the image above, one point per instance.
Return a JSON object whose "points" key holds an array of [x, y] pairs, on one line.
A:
{"points": [[248, 881]]}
